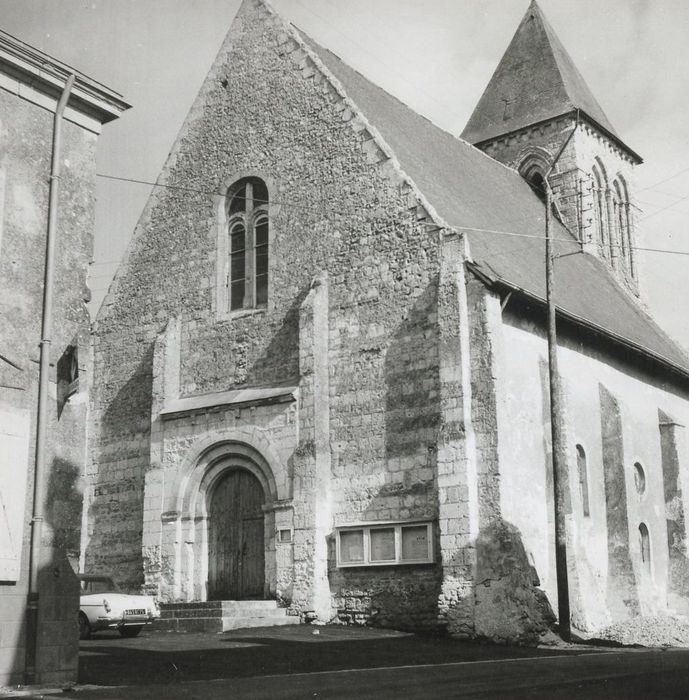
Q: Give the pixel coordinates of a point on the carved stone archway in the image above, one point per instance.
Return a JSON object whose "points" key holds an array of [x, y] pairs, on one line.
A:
{"points": [[185, 526]]}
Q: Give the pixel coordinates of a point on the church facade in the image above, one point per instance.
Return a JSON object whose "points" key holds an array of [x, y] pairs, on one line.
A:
{"points": [[320, 374]]}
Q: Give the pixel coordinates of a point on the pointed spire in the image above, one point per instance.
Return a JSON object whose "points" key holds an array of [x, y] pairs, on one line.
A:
{"points": [[535, 81]]}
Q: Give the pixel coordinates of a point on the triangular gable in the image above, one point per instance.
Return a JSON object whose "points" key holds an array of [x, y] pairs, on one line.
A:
{"points": [[287, 34]]}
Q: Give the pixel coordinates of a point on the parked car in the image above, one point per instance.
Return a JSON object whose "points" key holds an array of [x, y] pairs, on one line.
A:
{"points": [[103, 606]]}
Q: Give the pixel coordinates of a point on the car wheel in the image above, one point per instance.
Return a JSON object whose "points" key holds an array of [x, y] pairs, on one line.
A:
{"points": [[84, 627], [131, 631]]}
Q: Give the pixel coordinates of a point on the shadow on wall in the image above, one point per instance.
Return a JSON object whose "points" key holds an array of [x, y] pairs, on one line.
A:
{"points": [[57, 651], [279, 362], [401, 442], [503, 601], [244, 351], [121, 457], [489, 589], [65, 507], [509, 605]]}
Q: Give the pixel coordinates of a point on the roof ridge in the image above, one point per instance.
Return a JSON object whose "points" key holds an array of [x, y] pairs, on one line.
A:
{"points": [[463, 142], [566, 65], [456, 137], [299, 35], [535, 80]]}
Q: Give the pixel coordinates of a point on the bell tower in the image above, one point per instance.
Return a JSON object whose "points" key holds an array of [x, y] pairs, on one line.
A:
{"points": [[534, 101]]}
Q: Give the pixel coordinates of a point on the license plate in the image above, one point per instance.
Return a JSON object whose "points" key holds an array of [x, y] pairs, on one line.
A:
{"points": [[136, 611]]}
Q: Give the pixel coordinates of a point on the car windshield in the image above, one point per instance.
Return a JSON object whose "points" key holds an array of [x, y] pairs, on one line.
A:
{"points": [[102, 584]]}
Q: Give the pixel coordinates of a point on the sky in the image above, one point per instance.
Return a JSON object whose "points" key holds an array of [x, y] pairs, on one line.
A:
{"points": [[437, 56]]}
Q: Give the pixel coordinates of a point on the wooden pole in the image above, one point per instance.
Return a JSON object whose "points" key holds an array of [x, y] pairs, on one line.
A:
{"points": [[558, 446]]}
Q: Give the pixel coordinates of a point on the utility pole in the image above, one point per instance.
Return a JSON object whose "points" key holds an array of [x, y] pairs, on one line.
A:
{"points": [[558, 447]]}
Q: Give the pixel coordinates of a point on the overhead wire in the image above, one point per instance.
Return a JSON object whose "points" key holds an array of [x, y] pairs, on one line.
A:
{"points": [[669, 206], [662, 182], [215, 193]]}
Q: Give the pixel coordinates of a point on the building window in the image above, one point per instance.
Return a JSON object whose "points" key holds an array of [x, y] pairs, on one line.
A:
{"points": [[68, 372], [386, 544], [639, 479], [583, 479], [645, 546], [247, 224], [599, 186], [533, 168], [623, 222], [537, 182]]}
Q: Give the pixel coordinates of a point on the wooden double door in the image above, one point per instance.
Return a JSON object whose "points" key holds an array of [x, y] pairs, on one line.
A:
{"points": [[236, 548]]}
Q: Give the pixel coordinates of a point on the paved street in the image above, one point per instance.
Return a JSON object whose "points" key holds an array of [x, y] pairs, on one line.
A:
{"points": [[340, 662]]}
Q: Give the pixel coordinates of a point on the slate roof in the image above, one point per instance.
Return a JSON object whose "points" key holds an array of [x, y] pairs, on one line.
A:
{"points": [[535, 80], [476, 194]]}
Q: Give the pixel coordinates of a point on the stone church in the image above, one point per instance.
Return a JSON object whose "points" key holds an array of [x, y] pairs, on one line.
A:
{"points": [[320, 374]]}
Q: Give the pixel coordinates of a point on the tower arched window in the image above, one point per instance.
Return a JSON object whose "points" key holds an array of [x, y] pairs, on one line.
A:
{"points": [[247, 228], [621, 208], [599, 186], [532, 167], [617, 208], [535, 178]]}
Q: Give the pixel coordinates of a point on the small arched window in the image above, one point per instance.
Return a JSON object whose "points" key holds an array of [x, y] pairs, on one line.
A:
{"points": [[247, 223], [537, 182], [583, 479], [533, 168], [639, 479], [645, 546]]}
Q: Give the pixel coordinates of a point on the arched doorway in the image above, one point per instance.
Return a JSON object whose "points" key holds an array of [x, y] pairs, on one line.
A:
{"points": [[236, 547]]}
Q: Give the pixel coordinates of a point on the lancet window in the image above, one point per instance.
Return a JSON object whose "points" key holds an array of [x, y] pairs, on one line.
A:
{"points": [[248, 227]]}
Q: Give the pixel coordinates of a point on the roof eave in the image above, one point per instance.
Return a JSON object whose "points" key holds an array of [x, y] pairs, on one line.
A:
{"points": [[491, 279], [45, 73], [570, 113]]}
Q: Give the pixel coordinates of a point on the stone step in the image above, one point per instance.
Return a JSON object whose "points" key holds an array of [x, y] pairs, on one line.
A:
{"points": [[205, 605], [222, 615], [225, 608], [230, 606], [216, 605], [190, 613], [197, 624], [235, 623]]}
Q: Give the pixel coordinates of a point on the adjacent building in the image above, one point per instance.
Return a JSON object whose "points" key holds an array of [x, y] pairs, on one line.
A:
{"points": [[326, 383], [30, 85]]}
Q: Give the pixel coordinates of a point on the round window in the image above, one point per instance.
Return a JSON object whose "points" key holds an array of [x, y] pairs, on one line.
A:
{"points": [[639, 478]]}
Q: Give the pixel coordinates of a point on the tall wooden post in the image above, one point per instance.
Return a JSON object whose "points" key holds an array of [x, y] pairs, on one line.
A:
{"points": [[558, 446]]}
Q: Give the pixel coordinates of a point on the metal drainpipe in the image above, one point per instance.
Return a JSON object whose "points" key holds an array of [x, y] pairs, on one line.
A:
{"points": [[43, 378]]}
